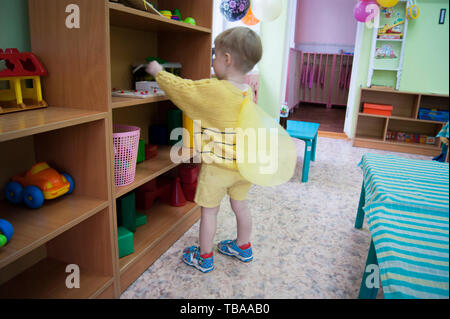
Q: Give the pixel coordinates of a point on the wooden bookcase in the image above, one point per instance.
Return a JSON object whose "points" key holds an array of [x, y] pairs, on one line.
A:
{"points": [[371, 129], [74, 134]]}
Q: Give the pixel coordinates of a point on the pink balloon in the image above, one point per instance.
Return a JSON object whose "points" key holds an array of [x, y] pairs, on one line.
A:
{"points": [[360, 10]]}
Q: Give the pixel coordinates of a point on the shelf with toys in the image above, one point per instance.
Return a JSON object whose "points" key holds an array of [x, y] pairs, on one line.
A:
{"points": [[152, 216], [124, 16], [153, 168], [164, 221], [184, 50], [401, 121], [74, 134], [54, 205]]}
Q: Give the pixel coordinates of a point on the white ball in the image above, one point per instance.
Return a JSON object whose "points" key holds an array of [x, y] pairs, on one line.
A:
{"points": [[266, 10]]}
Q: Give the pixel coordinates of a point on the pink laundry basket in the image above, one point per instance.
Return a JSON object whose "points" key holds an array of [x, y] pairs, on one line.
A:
{"points": [[126, 144]]}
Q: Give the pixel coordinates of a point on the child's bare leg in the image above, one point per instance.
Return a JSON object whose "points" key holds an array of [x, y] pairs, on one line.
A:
{"points": [[208, 225], [243, 220]]}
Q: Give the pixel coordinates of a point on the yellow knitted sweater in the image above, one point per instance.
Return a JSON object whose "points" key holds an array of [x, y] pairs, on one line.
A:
{"points": [[216, 104]]}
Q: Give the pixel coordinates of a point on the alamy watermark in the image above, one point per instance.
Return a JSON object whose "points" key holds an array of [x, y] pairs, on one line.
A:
{"points": [[211, 145]]}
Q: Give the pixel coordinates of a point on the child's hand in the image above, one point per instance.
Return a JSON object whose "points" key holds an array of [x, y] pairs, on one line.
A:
{"points": [[444, 140], [154, 68]]}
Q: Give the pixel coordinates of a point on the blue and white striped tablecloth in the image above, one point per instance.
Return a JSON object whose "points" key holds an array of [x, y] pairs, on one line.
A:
{"points": [[407, 211]]}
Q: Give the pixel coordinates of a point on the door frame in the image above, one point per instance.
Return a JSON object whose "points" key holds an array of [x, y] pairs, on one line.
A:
{"points": [[350, 116]]}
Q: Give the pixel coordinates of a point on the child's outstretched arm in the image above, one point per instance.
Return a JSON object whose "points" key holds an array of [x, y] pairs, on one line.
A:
{"points": [[196, 98]]}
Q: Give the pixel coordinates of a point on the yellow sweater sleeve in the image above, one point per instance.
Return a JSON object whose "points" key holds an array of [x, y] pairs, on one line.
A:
{"points": [[199, 100]]}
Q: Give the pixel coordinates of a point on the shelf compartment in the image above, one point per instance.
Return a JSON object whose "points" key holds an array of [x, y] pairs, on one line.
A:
{"points": [[127, 17], [32, 228], [434, 102], [46, 280], [165, 224], [400, 118], [152, 168], [21, 124], [120, 102], [86, 245], [404, 104], [370, 127]]}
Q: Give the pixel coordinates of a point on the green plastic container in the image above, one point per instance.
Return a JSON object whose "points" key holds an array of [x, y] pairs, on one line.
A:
{"points": [[141, 151], [126, 244]]}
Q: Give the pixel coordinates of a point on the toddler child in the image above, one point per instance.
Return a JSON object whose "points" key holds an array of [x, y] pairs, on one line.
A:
{"points": [[216, 103]]}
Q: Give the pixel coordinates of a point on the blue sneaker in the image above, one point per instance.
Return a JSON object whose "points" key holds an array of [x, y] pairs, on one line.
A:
{"points": [[191, 257], [230, 248]]}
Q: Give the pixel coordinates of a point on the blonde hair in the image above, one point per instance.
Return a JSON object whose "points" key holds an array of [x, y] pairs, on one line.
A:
{"points": [[243, 44]]}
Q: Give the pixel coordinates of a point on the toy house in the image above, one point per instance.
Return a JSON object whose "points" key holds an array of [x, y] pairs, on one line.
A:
{"points": [[20, 82]]}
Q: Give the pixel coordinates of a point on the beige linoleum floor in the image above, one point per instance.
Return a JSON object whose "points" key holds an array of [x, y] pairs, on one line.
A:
{"points": [[304, 241]]}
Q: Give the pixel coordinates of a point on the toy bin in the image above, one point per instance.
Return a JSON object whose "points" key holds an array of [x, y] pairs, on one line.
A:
{"points": [[433, 115], [126, 144], [378, 109]]}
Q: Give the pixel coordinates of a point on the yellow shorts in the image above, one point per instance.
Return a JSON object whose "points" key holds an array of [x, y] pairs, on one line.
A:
{"points": [[215, 182]]}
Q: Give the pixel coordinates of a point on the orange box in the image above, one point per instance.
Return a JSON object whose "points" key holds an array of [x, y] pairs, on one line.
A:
{"points": [[378, 109]]}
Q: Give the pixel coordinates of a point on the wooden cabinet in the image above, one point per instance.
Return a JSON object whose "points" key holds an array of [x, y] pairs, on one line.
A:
{"points": [[74, 134], [372, 130]]}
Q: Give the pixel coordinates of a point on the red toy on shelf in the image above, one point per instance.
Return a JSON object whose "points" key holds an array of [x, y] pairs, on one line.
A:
{"points": [[177, 199], [189, 175], [15, 68], [155, 189]]}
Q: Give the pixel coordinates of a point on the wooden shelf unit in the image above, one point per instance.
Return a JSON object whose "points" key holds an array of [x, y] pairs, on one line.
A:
{"points": [[74, 135], [371, 129]]}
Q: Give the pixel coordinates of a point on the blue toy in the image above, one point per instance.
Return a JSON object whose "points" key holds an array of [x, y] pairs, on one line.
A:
{"points": [[6, 232]]}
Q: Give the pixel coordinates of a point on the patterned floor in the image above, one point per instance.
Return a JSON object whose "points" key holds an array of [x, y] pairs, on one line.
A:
{"points": [[304, 241]]}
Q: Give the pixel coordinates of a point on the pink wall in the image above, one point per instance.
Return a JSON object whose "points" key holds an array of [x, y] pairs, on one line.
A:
{"points": [[325, 22]]}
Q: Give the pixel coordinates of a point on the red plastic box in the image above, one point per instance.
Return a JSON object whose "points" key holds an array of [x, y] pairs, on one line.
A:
{"points": [[378, 109]]}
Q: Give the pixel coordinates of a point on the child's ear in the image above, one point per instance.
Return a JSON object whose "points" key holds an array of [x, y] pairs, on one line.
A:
{"points": [[228, 59]]}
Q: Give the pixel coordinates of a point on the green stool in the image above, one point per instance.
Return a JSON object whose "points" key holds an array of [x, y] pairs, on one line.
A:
{"points": [[126, 245], [307, 132]]}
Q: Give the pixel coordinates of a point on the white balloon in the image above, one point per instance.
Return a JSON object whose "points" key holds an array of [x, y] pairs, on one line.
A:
{"points": [[266, 10]]}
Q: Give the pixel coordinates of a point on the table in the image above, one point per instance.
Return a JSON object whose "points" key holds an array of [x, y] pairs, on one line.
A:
{"points": [[307, 132], [407, 209]]}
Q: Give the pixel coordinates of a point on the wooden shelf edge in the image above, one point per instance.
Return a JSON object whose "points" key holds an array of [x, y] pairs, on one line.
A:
{"points": [[11, 257], [392, 90], [139, 255], [102, 289], [40, 121], [400, 118], [179, 25], [119, 102]]}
